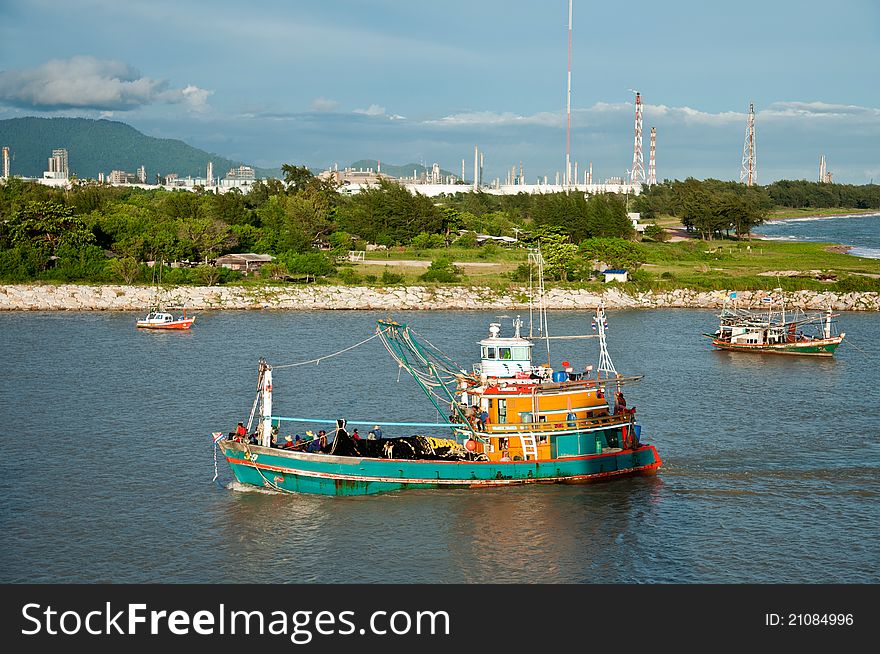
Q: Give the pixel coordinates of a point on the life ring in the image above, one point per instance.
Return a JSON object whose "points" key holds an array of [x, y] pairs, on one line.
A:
{"points": [[470, 445]]}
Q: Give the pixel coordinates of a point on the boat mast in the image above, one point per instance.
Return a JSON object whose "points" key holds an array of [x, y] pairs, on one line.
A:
{"points": [[537, 259], [605, 363], [266, 389]]}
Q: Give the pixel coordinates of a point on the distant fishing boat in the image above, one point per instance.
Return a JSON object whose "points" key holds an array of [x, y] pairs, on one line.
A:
{"points": [[775, 331], [509, 422], [164, 320], [157, 317]]}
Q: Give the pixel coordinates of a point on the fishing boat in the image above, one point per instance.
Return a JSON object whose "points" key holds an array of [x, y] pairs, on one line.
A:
{"points": [[163, 320], [158, 317], [508, 422], [775, 331]]}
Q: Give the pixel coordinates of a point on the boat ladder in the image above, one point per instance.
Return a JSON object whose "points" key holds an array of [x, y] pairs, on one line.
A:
{"points": [[529, 446]]}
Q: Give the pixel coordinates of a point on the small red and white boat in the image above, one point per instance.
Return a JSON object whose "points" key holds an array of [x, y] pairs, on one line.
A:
{"points": [[163, 320]]}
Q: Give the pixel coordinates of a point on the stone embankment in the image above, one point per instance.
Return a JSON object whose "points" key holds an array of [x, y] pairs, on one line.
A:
{"points": [[71, 297]]}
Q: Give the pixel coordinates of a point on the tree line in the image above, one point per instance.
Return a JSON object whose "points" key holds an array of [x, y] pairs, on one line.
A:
{"points": [[94, 232]]}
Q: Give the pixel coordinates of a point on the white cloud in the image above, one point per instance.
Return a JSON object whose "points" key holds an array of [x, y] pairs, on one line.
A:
{"points": [[820, 111], [376, 111], [85, 82], [324, 104], [497, 119], [372, 110]]}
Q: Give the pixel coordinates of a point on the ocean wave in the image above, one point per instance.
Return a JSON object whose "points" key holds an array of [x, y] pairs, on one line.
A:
{"points": [[813, 219]]}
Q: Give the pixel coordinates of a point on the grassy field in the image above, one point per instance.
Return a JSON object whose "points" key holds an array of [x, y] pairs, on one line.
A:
{"points": [[739, 264], [695, 264]]}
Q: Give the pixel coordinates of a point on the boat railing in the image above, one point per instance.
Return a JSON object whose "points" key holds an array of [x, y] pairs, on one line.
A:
{"points": [[555, 425]]}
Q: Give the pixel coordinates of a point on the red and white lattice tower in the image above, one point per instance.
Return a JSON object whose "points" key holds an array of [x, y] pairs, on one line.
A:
{"points": [[652, 166], [637, 174], [748, 175]]}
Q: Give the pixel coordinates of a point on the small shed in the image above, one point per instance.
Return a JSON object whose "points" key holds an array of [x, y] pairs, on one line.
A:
{"points": [[247, 263], [614, 275]]}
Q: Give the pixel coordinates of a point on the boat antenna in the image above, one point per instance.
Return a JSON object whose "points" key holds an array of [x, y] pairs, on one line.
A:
{"points": [[537, 259], [605, 363]]}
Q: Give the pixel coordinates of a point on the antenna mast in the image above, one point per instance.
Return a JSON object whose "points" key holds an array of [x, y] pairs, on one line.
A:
{"points": [[605, 363], [749, 174], [652, 168], [637, 174], [537, 260], [568, 107]]}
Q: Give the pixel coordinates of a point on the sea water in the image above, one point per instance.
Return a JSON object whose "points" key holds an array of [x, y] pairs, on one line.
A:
{"points": [[771, 464], [861, 232]]}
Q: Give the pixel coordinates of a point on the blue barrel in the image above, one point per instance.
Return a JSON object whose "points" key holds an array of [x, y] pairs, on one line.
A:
{"points": [[560, 376]]}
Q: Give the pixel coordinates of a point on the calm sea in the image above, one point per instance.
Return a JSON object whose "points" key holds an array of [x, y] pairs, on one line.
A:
{"points": [[862, 232], [771, 464]]}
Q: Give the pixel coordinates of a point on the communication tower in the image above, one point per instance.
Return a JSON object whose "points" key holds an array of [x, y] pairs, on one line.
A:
{"points": [[749, 173], [637, 174], [652, 166]]}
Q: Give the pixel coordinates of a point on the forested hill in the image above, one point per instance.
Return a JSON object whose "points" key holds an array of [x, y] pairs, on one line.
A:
{"points": [[99, 146]]}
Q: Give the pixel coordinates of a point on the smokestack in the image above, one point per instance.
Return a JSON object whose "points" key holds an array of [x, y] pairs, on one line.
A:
{"points": [[481, 169], [5, 162]]}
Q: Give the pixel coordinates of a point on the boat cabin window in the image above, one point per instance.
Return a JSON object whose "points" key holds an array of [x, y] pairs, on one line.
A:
{"points": [[488, 352], [502, 411], [520, 353], [503, 352]]}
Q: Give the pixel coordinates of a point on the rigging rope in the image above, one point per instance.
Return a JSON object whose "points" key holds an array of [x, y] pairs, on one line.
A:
{"points": [[328, 356]]}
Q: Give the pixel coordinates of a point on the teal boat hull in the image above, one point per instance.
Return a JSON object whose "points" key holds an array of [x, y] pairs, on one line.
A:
{"points": [[325, 474]]}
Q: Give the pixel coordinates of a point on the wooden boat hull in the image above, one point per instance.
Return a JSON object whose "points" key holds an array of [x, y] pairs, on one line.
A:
{"points": [[818, 348], [325, 474], [177, 324]]}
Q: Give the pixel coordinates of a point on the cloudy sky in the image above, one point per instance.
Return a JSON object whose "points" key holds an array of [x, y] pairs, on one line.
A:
{"points": [[272, 82]]}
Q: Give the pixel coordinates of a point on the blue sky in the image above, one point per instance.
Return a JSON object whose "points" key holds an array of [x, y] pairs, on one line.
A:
{"points": [[323, 83]]}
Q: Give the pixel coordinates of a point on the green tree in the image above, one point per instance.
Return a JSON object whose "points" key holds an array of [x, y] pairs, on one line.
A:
{"points": [[614, 252], [127, 269], [389, 214], [296, 177], [48, 226], [206, 237], [560, 255]]}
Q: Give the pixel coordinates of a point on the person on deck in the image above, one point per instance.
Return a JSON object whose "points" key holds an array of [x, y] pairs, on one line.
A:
{"points": [[355, 435], [240, 431], [483, 420], [505, 456], [620, 403], [375, 433]]}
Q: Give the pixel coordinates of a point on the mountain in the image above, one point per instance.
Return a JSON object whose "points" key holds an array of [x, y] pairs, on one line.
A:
{"points": [[406, 170], [99, 146]]}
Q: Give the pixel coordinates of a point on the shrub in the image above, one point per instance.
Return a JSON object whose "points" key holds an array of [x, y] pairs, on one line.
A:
{"points": [[466, 240], [656, 233], [426, 241], [389, 278], [207, 275], [349, 276], [442, 270]]}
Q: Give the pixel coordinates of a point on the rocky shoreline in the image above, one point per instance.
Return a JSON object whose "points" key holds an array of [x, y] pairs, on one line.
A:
{"points": [[72, 297]]}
